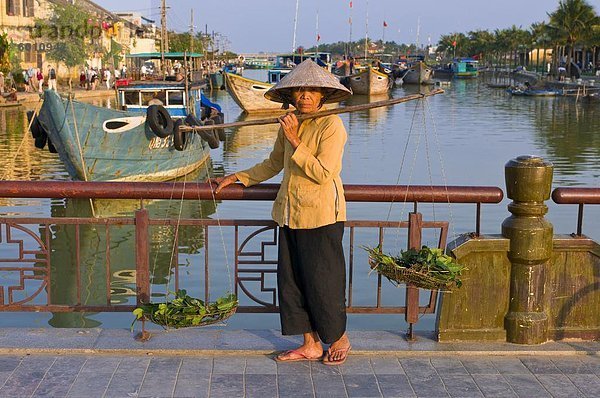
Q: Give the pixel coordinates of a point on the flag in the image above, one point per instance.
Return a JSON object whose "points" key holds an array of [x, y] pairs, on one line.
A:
{"points": [[350, 4], [318, 37], [454, 43], [384, 24]]}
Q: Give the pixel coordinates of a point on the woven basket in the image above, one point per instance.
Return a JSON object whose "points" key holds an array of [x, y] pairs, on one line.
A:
{"points": [[397, 274], [174, 320]]}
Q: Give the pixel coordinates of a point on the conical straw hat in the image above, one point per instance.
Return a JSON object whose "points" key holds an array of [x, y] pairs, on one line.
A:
{"points": [[308, 74]]}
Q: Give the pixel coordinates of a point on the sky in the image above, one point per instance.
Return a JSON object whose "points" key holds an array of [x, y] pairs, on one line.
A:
{"points": [[268, 25]]}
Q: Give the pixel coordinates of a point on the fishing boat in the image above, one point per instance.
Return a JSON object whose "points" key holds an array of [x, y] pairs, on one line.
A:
{"points": [[533, 92], [465, 68], [249, 94], [368, 81], [418, 73], [139, 141]]}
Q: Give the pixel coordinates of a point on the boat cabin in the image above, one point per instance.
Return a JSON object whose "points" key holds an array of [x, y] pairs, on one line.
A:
{"points": [[465, 67], [141, 89]]}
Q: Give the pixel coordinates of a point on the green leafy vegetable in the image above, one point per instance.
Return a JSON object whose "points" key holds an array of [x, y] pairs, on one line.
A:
{"points": [[186, 311], [428, 268]]}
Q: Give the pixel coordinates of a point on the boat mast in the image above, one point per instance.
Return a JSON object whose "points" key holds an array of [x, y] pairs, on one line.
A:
{"points": [[350, 38], [295, 25], [164, 38], [192, 31], [318, 37], [367, 31], [418, 32]]}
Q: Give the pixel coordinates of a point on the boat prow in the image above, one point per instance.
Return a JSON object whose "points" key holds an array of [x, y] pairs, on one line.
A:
{"points": [[249, 94]]}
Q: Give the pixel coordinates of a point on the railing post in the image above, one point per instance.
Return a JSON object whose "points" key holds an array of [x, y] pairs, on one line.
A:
{"points": [[528, 184], [142, 269], [415, 232]]}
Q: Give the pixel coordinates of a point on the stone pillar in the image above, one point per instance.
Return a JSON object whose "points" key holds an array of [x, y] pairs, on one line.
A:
{"points": [[528, 184]]}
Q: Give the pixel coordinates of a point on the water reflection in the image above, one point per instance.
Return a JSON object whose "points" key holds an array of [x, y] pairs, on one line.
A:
{"points": [[90, 244], [372, 117], [246, 140], [569, 132]]}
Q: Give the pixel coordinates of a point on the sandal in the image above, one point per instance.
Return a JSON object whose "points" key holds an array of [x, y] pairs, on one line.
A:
{"points": [[302, 357], [344, 351]]}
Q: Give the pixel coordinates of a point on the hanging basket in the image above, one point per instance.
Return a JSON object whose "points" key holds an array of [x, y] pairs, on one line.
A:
{"points": [[426, 268], [185, 311]]}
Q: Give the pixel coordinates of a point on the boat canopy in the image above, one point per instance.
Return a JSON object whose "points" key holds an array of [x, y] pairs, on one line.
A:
{"points": [[157, 55]]}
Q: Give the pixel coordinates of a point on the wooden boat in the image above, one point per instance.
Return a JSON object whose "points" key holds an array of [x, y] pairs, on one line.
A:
{"points": [[102, 144], [368, 82], [533, 92], [418, 73], [250, 94], [465, 68]]}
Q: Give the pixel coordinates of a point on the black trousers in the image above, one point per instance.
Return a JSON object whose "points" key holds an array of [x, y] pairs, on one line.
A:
{"points": [[311, 281]]}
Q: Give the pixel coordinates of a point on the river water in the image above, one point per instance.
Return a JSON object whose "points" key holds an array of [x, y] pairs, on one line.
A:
{"points": [[462, 137]]}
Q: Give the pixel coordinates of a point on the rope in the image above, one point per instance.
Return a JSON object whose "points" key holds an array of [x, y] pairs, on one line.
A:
{"points": [[85, 177]]}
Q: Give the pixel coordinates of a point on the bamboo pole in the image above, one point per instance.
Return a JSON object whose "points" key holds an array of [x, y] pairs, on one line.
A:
{"points": [[328, 112]]}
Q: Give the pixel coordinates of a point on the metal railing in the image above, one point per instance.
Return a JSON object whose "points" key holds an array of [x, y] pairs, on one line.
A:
{"points": [[31, 240], [577, 196]]}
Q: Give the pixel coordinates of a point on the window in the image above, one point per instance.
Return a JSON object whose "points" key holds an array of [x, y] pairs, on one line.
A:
{"points": [[28, 8], [148, 96], [132, 98], [13, 7], [175, 98]]}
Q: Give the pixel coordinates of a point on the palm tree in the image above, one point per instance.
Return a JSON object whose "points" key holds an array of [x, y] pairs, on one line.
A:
{"points": [[571, 21]]}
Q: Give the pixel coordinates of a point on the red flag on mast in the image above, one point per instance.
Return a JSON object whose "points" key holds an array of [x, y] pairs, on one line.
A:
{"points": [[350, 4], [318, 37], [384, 24]]}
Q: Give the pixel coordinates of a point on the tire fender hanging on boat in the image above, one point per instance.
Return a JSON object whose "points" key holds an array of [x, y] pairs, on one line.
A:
{"points": [[38, 133], [159, 121], [179, 137], [210, 136], [219, 118]]}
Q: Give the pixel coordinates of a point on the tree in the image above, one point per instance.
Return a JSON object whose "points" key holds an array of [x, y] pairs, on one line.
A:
{"points": [[68, 27], [571, 22], [5, 47]]}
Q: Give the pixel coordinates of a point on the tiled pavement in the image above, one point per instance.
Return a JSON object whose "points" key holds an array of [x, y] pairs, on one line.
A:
{"points": [[259, 376], [110, 363]]}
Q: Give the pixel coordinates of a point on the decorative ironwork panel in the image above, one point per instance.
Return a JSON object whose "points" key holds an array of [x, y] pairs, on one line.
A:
{"points": [[255, 263], [24, 264]]}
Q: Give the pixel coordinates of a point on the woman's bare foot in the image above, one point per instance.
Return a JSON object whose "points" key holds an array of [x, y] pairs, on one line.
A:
{"points": [[338, 351], [311, 350]]}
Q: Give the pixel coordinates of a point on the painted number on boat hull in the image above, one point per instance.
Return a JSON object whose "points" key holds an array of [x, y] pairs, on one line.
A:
{"points": [[158, 143]]}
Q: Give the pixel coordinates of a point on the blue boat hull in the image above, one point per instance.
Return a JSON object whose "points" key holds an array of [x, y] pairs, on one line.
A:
{"points": [[101, 144]]}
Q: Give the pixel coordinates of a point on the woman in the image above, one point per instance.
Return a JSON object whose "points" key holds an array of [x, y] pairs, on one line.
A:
{"points": [[310, 210]]}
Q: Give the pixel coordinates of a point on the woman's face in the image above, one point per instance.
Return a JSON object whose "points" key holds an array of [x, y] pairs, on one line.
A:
{"points": [[307, 100]]}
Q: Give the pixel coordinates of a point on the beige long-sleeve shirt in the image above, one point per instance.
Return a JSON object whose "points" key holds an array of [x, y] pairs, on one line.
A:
{"points": [[311, 193]]}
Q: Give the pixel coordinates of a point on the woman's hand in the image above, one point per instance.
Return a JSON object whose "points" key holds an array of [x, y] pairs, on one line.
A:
{"points": [[223, 182], [289, 124]]}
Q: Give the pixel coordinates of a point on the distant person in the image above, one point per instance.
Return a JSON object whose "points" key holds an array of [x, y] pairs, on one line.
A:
{"points": [[143, 72], [51, 78], [82, 79], [562, 73], [32, 79], [26, 80], [94, 79], [1, 83], [40, 79], [124, 72], [107, 77]]}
